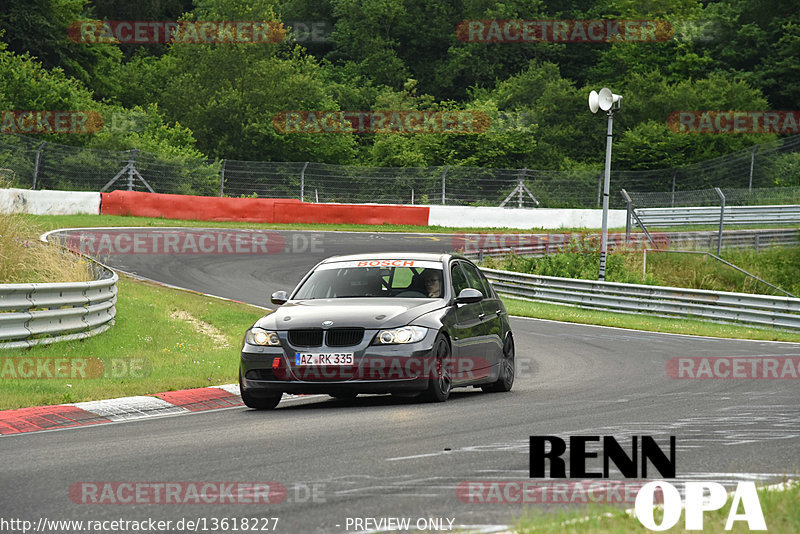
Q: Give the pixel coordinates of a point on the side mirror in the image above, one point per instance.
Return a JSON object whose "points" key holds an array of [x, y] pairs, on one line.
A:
{"points": [[468, 296], [279, 297]]}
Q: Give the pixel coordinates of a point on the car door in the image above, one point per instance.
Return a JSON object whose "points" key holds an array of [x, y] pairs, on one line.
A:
{"points": [[493, 310], [471, 358]]}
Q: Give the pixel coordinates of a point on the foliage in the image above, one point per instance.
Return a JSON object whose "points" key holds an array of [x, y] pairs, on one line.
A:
{"points": [[195, 102]]}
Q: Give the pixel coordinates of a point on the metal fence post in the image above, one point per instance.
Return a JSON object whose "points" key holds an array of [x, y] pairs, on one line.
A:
{"points": [[222, 179], [752, 159], [721, 218], [644, 263], [519, 187], [303, 183], [131, 169], [673, 188], [444, 176], [629, 207], [599, 189], [36, 165]]}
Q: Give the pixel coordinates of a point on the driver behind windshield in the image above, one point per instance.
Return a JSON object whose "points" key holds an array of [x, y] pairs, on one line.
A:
{"points": [[433, 282]]}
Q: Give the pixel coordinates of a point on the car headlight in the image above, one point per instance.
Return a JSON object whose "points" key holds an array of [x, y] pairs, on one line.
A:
{"points": [[406, 334], [259, 336]]}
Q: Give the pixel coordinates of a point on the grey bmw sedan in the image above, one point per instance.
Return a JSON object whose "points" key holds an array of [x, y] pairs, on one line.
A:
{"points": [[400, 323]]}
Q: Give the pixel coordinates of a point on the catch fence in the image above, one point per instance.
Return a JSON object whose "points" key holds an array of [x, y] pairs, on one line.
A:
{"points": [[36, 164]]}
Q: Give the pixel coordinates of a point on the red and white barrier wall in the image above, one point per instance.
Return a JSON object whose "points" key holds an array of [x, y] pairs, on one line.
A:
{"points": [[478, 217], [274, 210], [48, 202]]}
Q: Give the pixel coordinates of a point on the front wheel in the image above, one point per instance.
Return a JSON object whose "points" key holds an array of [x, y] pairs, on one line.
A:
{"points": [[258, 402], [440, 383], [506, 378]]}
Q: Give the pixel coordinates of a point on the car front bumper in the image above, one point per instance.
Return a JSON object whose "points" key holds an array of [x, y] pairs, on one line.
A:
{"points": [[401, 368]]}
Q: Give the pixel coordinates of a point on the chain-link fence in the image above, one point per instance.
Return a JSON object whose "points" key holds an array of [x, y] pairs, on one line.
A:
{"points": [[750, 175]]}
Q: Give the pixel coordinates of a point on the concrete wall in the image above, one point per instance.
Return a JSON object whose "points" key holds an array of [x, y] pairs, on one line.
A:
{"points": [[49, 202], [70, 202], [477, 217]]}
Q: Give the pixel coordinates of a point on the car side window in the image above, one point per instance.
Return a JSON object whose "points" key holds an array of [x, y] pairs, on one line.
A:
{"points": [[489, 289], [459, 280], [474, 278]]}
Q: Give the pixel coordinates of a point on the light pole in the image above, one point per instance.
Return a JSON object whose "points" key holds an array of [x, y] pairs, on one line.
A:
{"points": [[608, 102]]}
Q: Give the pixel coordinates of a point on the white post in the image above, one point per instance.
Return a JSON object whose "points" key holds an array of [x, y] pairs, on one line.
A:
{"points": [[606, 187]]}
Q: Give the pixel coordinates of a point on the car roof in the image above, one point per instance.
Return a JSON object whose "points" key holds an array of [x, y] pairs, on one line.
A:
{"points": [[422, 256]]}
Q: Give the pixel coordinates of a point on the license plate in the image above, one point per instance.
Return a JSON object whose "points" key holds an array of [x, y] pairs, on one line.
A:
{"points": [[305, 359]]}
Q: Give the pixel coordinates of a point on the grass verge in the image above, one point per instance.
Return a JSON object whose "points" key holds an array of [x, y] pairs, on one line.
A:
{"points": [[164, 339], [25, 259], [571, 314], [779, 508]]}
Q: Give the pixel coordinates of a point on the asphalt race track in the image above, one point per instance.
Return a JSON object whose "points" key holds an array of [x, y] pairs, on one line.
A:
{"points": [[378, 456]]}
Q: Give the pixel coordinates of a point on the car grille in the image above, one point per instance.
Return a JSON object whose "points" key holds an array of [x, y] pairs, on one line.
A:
{"points": [[344, 337], [335, 337], [306, 338]]}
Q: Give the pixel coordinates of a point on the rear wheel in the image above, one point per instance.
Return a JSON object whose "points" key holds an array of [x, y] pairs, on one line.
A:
{"points": [[258, 402], [506, 378], [440, 383]]}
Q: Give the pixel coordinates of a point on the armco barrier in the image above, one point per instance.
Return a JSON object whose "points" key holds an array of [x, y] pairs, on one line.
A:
{"points": [[32, 314], [719, 306], [660, 217]]}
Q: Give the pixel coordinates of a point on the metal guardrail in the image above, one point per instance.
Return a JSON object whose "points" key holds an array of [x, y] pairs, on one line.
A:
{"points": [[33, 314], [756, 239], [719, 306], [661, 217]]}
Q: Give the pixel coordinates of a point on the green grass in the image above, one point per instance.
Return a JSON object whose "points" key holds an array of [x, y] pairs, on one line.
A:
{"points": [[24, 259], [51, 222], [571, 314], [172, 353], [780, 509]]}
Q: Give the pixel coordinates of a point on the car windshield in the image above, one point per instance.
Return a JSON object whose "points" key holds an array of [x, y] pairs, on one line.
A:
{"points": [[374, 278]]}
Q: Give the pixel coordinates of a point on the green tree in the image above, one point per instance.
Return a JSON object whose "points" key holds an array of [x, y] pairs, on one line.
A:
{"points": [[40, 28]]}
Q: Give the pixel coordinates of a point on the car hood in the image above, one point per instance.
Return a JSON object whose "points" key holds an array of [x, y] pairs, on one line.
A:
{"points": [[351, 312]]}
